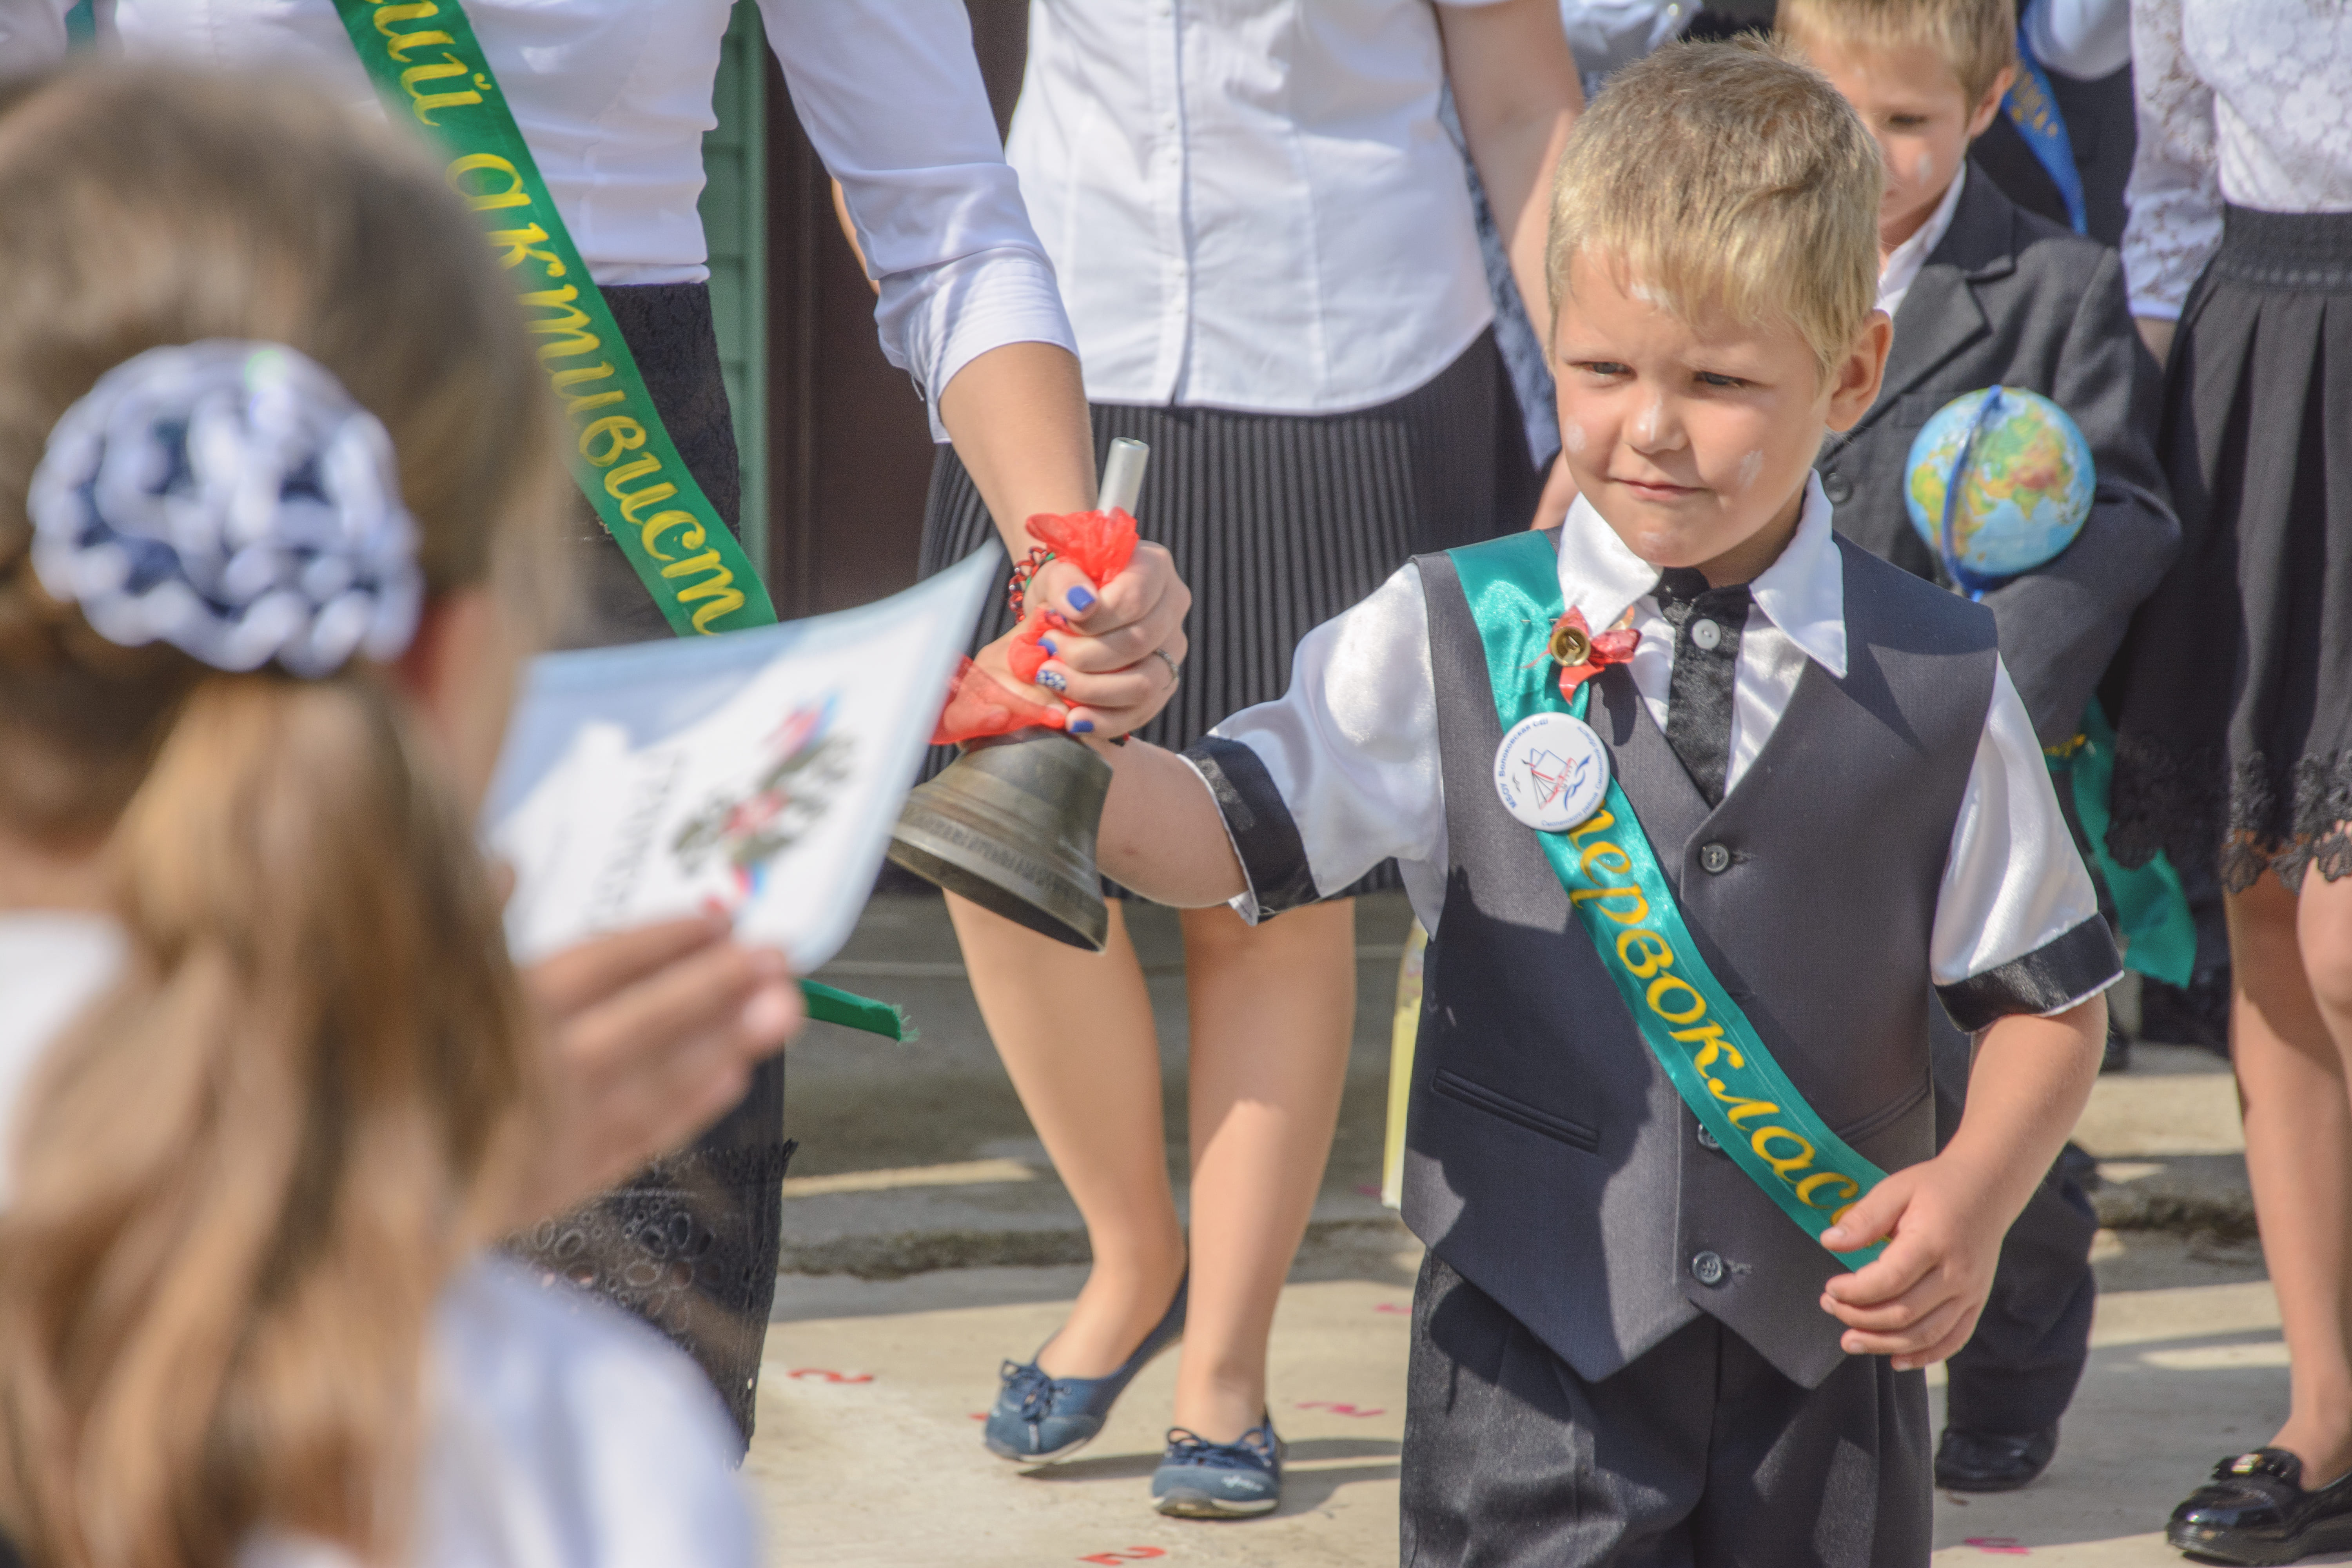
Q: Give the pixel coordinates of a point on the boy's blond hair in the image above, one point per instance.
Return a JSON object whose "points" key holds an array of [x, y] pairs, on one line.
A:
{"points": [[1977, 38], [1725, 176]]}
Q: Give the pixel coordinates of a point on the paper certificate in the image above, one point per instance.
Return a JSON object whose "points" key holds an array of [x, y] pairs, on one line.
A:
{"points": [[759, 772]]}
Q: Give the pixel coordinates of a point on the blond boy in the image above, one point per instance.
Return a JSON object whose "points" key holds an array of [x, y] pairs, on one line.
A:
{"points": [[1629, 1344]]}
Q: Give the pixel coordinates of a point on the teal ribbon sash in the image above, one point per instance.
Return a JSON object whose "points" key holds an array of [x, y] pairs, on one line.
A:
{"points": [[1711, 1053], [2160, 934]]}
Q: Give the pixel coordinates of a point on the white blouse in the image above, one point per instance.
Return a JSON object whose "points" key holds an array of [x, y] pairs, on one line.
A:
{"points": [[615, 96], [1352, 746], [2248, 101], [1251, 203], [559, 1433]]}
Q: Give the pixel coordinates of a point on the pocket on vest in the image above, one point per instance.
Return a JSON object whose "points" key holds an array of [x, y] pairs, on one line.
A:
{"points": [[1900, 1132], [1478, 1097]]}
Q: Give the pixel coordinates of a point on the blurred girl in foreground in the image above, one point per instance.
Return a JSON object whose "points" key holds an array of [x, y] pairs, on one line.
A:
{"points": [[277, 485]]}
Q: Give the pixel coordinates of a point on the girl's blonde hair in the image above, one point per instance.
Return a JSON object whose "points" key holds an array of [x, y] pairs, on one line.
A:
{"points": [[241, 1180], [1726, 176]]}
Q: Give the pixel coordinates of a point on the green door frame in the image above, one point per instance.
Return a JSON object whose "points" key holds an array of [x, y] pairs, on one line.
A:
{"points": [[735, 222]]}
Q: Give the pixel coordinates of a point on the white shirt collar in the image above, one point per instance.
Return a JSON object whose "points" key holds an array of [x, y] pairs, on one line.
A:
{"points": [[1902, 267], [1803, 592]]}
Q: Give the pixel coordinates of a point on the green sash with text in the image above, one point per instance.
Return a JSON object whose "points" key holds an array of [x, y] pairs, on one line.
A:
{"points": [[424, 60], [1710, 1052]]}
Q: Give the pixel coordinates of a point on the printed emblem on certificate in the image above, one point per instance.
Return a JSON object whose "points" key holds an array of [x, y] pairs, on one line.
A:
{"points": [[1551, 772]]}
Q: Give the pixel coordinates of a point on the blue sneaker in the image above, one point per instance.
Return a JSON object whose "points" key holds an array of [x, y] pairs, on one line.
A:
{"points": [[1039, 1418], [1200, 1479]]}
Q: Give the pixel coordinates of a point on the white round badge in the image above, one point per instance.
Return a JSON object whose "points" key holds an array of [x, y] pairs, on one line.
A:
{"points": [[1551, 772]]}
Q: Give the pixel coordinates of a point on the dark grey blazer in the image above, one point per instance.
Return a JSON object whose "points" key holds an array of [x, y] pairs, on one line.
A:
{"points": [[2009, 297]]}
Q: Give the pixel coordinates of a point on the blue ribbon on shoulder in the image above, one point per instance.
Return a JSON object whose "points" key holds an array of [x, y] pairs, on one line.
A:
{"points": [[2034, 111]]}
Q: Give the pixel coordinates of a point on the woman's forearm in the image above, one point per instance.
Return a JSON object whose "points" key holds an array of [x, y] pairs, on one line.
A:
{"points": [[1515, 87], [1018, 417]]}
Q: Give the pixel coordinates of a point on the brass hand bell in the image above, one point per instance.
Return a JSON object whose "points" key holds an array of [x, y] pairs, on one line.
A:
{"points": [[1010, 823]]}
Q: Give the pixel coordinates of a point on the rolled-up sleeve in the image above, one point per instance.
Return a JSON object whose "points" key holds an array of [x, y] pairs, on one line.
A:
{"points": [[1341, 772], [2017, 927], [890, 95]]}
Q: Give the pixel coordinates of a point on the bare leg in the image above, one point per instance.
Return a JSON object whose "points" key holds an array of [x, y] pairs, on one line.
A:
{"points": [[2292, 1080], [1274, 1008], [1076, 1033]]}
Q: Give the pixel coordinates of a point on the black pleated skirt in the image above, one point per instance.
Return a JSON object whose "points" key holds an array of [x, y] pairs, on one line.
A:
{"points": [[2235, 739], [1280, 522]]}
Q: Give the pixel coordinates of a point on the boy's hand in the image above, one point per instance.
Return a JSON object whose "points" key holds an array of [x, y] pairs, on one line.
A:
{"points": [[1116, 664], [1918, 1302]]}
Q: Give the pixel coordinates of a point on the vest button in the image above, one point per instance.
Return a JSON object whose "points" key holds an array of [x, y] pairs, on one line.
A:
{"points": [[1707, 1268], [1713, 857], [1706, 634], [1707, 1140], [1837, 488]]}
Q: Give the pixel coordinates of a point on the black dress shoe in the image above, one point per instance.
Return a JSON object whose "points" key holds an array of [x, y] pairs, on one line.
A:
{"points": [[1969, 1461], [2116, 1056], [2255, 1511]]}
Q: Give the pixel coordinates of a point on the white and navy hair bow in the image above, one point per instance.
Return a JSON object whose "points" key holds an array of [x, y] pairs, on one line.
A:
{"points": [[230, 498]]}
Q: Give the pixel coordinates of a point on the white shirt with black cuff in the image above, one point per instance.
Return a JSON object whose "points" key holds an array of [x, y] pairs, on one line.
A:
{"points": [[1343, 771], [615, 96]]}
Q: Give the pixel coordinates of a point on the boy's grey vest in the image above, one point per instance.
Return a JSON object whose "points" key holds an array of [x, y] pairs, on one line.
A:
{"points": [[1547, 1158]]}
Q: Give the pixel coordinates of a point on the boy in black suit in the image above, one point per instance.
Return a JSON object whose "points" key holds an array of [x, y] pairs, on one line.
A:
{"points": [[1984, 293]]}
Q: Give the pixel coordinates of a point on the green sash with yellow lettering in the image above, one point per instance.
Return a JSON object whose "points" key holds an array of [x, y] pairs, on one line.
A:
{"points": [[1710, 1052], [424, 60]]}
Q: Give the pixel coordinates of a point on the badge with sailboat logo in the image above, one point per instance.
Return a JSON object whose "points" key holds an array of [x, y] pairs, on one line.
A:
{"points": [[1551, 772]]}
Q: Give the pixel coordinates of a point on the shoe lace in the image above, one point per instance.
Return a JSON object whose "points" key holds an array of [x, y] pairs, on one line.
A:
{"points": [[1028, 1382], [1252, 1450]]}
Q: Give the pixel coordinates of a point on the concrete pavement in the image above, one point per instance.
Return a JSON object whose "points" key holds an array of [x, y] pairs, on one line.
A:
{"points": [[927, 1238], [868, 1452]]}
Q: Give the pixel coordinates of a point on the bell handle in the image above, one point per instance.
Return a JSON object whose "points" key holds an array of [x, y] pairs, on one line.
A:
{"points": [[1122, 482]]}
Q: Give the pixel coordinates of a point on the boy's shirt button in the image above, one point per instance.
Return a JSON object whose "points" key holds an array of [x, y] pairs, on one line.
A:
{"points": [[1707, 1140], [1837, 488], [1707, 1268], [1713, 857], [1707, 635]]}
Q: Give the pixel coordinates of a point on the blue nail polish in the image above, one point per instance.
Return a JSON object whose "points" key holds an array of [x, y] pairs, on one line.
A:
{"points": [[1082, 726], [1082, 599], [1047, 644], [1053, 680]]}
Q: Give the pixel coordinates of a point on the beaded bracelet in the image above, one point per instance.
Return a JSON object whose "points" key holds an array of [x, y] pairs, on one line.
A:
{"points": [[1016, 589]]}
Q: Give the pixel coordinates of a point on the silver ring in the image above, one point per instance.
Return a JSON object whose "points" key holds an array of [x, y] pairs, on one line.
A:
{"points": [[1174, 674]]}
